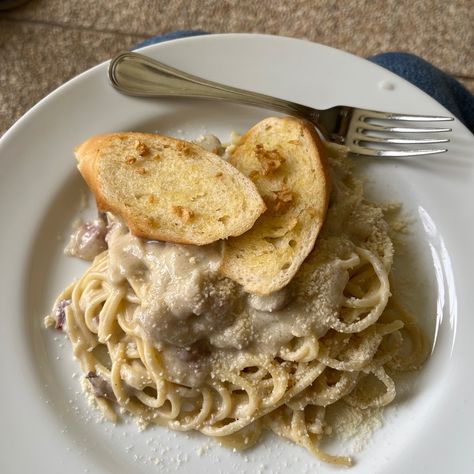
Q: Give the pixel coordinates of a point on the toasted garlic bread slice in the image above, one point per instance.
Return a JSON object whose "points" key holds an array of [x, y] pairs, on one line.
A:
{"points": [[284, 158], [168, 189]]}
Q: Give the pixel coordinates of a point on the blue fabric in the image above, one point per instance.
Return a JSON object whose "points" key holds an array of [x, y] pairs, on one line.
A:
{"points": [[442, 87], [170, 36]]}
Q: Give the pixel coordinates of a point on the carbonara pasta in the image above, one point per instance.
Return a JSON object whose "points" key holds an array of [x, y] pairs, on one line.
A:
{"points": [[161, 334]]}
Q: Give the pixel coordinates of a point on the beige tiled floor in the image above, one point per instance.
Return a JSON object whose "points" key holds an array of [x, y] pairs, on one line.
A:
{"points": [[46, 42]]}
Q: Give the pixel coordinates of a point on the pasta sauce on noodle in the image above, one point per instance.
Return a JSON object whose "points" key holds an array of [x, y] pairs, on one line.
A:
{"points": [[189, 349]]}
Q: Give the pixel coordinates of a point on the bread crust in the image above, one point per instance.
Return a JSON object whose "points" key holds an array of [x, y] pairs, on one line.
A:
{"points": [[123, 169], [279, 150]]}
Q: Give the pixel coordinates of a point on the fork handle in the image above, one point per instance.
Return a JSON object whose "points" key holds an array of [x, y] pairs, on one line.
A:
{"points": [[138, 75]]}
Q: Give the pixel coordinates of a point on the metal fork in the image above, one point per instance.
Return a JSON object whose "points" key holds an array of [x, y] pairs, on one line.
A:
{"points": [[364, 132]]}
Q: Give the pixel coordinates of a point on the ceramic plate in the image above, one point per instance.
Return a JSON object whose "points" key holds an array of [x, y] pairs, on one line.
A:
{"points": [[46, 425]]}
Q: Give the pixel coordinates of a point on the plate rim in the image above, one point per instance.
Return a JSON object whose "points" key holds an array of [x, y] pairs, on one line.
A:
{"points": [[18, 124]]}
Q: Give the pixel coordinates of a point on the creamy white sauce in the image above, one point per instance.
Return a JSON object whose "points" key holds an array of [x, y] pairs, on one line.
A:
{"points": [[210, 143], [87, 240], [214, 145], [195, 317], [183, 298], [272, 302]]}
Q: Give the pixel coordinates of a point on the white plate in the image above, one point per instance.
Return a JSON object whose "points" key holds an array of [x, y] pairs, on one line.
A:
{"points": [[45, 423]]}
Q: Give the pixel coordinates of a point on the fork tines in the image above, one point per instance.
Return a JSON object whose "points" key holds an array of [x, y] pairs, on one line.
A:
{"points": [[372, 114], [370, 129]]}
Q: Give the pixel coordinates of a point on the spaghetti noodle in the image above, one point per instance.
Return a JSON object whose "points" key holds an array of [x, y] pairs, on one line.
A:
{"points": [[159, 333]]}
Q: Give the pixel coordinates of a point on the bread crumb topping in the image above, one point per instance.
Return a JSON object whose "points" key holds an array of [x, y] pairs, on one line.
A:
{"points": [[184, 148], [270, 160], [279, 201], [141, 148]]}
